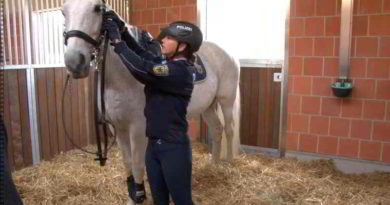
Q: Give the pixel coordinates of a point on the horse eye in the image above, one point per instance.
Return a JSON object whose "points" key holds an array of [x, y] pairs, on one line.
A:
{"points": [[98, 8]]}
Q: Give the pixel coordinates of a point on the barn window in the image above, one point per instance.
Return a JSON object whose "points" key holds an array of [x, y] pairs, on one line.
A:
{"points": [[252, 30], [47, 27]]}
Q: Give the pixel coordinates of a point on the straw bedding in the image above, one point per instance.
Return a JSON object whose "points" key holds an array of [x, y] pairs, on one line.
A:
{"points": [[253, 179]]}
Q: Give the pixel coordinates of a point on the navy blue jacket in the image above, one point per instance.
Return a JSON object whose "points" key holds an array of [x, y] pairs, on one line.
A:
{"points": [[168, 89]]}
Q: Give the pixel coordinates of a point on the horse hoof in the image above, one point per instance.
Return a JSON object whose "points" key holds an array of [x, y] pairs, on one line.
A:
{"points": [[131, 202]]}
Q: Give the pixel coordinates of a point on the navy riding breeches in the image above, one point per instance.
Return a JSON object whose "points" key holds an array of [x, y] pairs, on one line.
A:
{"points": [[169, 170]]}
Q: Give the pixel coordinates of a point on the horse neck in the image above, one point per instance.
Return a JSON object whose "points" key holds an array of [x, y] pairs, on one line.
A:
{"points": [[117, 75]]}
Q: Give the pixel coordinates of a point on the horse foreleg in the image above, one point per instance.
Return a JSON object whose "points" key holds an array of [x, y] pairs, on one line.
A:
{"points": [[215, 128], [123, 140], [138, 147]]}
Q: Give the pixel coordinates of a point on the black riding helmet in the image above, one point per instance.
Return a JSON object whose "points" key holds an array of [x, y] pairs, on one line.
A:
{"points": [[185, 32]]}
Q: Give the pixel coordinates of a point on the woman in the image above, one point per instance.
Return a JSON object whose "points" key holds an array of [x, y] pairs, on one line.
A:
{"points": [[168, 83]]}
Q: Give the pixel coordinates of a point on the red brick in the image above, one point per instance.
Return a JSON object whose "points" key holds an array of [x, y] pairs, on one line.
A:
{"points": [[305, 7], [361, 129], [383, 91], [136, 18], [386, 152], [192, 128], [299, 123], [370, 6], [379, 25], [179, 2], [140, 4], [292, 141], [370, 150], [374, 109], [367, 47], [331, 67], [326, 7], [323, 47], [289, 122], [358, 67], [384, 47], [152, 4], [291, 85], [322, 86], [360, 25], [147, 17], [154, 30], [336, 47], [353, 47], [352, 108], [160, 16], [349, 147], [297, 27], [308, 143], [314, 26], [332, 26], [303, 47], [388, 110], [191, 2], [293, 8], [291, 47], [188, 13], [302, 85], [311, 105], [382, 131], [339, 127], [313, 66], [296, 65], [173, 14], [294, 104], [331, 106], [327, 145], [386, 6], [319, 125], [164, 3], [364, 88]]}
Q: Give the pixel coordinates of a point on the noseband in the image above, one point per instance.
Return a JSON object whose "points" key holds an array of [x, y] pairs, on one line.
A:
{"points": [[82, 35]]}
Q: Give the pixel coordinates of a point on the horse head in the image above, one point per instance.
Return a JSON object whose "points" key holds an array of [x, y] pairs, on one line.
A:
{"points": [[83, 35]]}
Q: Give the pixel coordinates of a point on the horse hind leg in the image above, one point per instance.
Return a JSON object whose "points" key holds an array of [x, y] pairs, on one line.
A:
{"points": [[227, 111], [215, 128]]}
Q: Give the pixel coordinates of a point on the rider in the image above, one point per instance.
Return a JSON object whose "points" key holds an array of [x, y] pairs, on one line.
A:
{"points": [[168, 83]]}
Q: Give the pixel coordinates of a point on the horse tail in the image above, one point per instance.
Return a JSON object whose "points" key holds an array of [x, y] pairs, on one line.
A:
{"points": [[237, 123], [237, 116]]}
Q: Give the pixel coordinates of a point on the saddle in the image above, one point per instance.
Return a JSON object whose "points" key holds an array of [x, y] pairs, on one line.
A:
{"points": [[200, 71]]}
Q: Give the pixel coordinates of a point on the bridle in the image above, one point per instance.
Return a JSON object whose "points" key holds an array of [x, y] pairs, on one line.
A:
{"points": [[101, 121]]}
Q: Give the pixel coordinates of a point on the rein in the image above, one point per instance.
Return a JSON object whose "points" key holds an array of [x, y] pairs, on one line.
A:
{"points": [[101, 122]]}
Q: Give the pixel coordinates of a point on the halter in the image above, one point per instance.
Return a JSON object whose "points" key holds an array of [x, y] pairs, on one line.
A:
{"points": [[101, 124]]}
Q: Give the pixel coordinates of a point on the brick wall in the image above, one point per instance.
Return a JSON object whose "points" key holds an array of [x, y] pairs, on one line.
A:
{"points": [[152, 15], [357, 126]]}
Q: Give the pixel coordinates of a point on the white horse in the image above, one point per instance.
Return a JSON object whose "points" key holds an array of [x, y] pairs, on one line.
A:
{"points": [[125, 98]]}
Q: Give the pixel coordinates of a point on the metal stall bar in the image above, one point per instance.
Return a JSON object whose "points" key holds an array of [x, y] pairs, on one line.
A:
{"points": [[9, 46], [345, 36], [32, 106]]}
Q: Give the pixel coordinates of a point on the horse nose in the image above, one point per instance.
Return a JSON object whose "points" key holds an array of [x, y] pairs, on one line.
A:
{"points": [[74, 61]]}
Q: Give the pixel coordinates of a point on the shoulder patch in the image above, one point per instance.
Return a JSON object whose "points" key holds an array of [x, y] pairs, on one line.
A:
{"points": [[161, 70]]}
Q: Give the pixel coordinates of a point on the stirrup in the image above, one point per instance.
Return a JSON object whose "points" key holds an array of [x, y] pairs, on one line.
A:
{"points": [[136, 191]]}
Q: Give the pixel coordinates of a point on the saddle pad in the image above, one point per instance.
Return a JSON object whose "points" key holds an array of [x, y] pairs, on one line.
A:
{"points": [[200, 71]]}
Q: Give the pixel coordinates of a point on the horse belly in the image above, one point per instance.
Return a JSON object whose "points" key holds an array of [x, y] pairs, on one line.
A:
{"points": [[202, 97]]}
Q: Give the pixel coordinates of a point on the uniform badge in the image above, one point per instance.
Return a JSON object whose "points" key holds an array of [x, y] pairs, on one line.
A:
{"points": [[161, 70]]}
